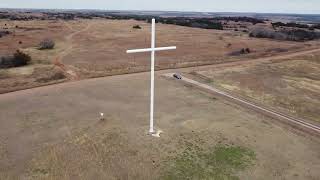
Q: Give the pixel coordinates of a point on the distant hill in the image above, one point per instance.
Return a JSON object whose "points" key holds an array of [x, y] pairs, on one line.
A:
{"points": [[299, 18]]}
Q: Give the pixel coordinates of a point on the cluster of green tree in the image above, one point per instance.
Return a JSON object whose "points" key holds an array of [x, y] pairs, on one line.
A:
{"points": [[61, 15], [204, 23], [25, 18], [240, 19], [4, 16], [289, 34], [65, 16], [296, 25], [207, 23], [291, 24], [315, 26], [16, 17], [19, 58], [4, 33], [19, 17]]}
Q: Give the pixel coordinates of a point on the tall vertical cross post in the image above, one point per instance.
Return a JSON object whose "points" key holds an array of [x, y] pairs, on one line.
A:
{"points": [[153, 49]]}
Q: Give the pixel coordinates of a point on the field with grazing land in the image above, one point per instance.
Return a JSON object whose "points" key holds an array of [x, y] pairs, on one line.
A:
{"points": [[55, 132], [96, 47], [289, 85]]}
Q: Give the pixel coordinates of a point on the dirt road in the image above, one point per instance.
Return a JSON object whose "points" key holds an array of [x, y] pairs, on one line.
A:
{"points": [[58, 60], [272, 113]]}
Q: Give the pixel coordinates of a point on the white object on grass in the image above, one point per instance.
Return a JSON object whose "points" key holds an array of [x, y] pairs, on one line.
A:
{"points": [[101, 116], [153, 49]]}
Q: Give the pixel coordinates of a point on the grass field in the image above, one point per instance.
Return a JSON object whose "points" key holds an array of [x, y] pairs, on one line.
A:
{"points": [[54, 132], [94, 48], [222, 162], [291, 85]]}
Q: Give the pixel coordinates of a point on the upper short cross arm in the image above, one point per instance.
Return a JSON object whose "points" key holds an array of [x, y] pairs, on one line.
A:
{"points": [[151, 49]]}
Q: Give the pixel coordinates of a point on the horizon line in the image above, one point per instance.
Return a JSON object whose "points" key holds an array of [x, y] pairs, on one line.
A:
{"points": [[184, 11]]}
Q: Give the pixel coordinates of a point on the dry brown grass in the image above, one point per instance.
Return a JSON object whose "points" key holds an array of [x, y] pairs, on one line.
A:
{"points": [[55, 132], [87, 156], [103, 46], [292, 85], [94, 48], [30, 76]]}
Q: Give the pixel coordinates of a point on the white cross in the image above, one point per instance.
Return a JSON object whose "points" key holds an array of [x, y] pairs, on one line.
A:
{"points": [[153, 49]]}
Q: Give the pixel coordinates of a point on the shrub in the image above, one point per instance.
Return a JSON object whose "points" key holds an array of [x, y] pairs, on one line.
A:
{"points": [[6, 62], [46, 44], [240, 52], [19, 58], [4, 33], [136, 27], [45, 75]]}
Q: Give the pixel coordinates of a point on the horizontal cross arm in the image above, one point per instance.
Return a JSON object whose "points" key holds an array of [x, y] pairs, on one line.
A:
{"points": [[151, 49]]}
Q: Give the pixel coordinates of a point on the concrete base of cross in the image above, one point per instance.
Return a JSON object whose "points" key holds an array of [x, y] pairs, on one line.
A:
{"points": [[156, 133]]}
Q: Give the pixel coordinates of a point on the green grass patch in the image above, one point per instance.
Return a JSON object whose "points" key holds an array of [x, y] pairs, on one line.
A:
{"points": [[219, 163]]}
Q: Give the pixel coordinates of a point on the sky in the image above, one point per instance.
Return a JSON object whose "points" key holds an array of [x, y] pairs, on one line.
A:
{"points": [[260, 6]]}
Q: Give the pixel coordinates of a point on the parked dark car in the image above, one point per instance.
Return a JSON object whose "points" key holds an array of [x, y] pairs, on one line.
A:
{"points": [[177, 76]]}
